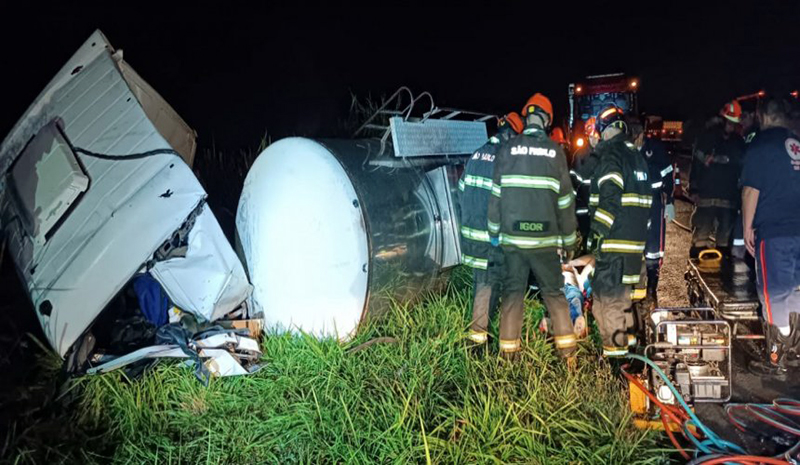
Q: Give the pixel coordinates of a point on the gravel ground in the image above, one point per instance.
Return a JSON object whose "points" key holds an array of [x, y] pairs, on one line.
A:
{"points": [[671, 285]]}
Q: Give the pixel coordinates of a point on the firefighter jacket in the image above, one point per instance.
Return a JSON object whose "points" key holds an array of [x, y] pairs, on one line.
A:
{"points": [[532, 204], [719, 181], [581, 174], [475, 187], [660, 172], [620, 204]]}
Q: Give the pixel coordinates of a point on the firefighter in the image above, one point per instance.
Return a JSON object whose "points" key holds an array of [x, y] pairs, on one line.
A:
{"points": [[583, 164], [771, 217], [486, 261], [716, 165], [620, 204], [532, 216], [661, 176]]}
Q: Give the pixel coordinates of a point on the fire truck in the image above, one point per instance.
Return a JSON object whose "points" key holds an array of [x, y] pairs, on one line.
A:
{"points": [[588, 97]]}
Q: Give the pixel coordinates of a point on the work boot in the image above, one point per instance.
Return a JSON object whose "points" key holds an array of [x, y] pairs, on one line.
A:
{"points": [[512, 357], [782, 352], [509, 349], [478, 344]]}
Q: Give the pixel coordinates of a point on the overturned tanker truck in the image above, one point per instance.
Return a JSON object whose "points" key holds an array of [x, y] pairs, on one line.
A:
{"points": [[332, 231]]}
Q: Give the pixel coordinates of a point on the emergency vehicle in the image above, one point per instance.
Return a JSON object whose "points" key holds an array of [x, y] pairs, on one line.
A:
{"points": [[588, 97]]}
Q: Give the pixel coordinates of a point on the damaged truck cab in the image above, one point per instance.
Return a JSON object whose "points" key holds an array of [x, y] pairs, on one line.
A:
{"points": [[97, 188]]}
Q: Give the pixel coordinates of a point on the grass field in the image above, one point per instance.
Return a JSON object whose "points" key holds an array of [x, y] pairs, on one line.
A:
{"points": [[421, 398]]}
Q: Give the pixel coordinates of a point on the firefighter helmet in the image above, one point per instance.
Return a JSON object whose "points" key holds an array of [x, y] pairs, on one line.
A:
{"points": [[732, 111], [540, 103], [512, 121], [558, 136], [611, 116]]}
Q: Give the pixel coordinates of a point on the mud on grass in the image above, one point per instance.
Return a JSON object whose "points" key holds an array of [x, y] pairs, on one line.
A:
{"points": [[416, 396]]}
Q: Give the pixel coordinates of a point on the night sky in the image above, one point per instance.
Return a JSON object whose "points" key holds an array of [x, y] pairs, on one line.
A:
{"points": [[235, 73]]}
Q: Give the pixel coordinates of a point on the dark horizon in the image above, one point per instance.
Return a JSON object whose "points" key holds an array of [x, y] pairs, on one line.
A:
{"points": [[239, 73]]}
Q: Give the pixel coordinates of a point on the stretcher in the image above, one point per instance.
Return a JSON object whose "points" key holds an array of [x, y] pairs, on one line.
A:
{"points": [[727, 286]]}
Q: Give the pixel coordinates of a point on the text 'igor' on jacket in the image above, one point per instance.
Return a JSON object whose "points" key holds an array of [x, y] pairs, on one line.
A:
{"points": [[532, 204], [620, 200]]}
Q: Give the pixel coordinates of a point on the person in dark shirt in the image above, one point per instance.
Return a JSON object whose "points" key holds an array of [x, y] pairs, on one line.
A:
{"points": [[771, 221], [716, 166]]}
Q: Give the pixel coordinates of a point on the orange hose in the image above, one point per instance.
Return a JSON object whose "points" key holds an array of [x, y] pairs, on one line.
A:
{"points": [[677, 415], [666, 412], [672, 438], [754, 459]]}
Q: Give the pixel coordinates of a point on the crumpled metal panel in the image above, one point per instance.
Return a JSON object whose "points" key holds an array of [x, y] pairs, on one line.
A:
{"points": [[130, 208], [209, 281], [436, 137]]}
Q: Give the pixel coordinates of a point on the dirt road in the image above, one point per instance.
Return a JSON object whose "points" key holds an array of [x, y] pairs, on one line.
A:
{"points": [[671, 286]]}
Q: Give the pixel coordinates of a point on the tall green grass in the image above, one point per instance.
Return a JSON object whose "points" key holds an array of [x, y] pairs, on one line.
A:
{"points": [[421, 398]]}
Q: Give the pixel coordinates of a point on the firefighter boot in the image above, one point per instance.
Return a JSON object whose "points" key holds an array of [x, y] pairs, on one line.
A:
{"points": [[509, 350], [478, 334], [478, 343], [511, 314]]}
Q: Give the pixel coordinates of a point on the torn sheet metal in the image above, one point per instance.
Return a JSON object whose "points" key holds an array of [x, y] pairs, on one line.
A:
{"points": [[136, 198], [224, 354], [209, 281]]}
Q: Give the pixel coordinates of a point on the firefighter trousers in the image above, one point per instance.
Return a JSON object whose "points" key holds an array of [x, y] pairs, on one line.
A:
{"points": [[487, 285], [546, 267], [712, 220], [611, 300]]}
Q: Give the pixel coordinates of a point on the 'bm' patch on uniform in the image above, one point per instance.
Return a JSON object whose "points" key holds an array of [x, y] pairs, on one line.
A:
{"points": [[640, 175], [531, 226]]}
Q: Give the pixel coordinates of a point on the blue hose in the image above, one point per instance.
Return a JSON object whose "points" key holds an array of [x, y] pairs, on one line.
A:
{"points": [[712, 439]]}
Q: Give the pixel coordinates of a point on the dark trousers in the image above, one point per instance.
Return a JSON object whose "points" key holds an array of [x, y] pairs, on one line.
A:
{"points": [[716, 221], [654, 249], [611, 300], [546, 267], [778, 278]]}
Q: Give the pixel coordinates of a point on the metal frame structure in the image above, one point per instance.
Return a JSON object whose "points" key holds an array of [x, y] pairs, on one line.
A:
{"points": [[400, 108], [660, 345]]}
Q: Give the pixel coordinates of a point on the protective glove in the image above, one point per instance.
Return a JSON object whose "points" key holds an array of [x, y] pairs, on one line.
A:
{"points": [[669, 212], [494, 240], [593, 244]]}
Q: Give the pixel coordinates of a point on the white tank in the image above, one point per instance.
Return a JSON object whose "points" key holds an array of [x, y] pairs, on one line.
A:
{"points": [[328, 238]]}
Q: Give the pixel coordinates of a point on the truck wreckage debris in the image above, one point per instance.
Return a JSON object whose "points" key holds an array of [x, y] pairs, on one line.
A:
{"points": [[98, 192], [124, 261]]}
